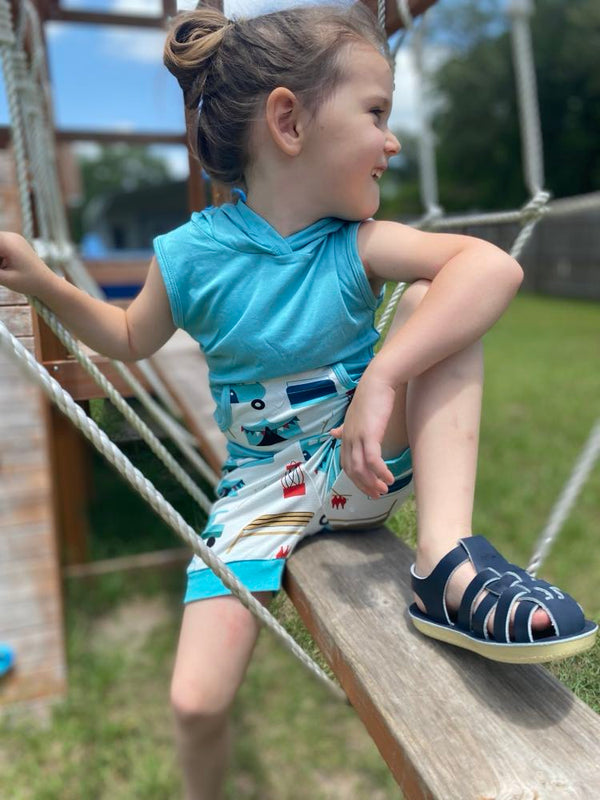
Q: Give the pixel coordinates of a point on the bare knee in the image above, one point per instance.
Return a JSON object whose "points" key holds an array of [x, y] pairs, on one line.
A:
{"points": [[411, 298], [196, 711], [215, 646], [414, 294]]}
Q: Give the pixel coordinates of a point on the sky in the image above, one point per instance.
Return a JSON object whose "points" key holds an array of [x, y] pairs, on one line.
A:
{"points": [[110, 78]]}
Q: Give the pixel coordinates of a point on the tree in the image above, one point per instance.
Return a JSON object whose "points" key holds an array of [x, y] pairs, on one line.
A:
{"points": [[477, 127], [116, 168]]}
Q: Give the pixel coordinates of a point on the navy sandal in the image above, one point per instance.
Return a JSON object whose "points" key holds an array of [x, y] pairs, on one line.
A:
{"points": [[506, 586]]}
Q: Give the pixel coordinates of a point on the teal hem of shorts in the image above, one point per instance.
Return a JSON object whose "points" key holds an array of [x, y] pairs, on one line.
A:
{"points": [[401, 464], [257, 576]]}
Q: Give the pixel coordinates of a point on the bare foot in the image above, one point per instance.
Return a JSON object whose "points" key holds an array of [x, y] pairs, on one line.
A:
{"points": [[459, 580]]}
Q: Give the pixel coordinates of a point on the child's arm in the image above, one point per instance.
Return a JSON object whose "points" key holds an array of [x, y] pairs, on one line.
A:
{"points": [[124, 335], [472, 283]]}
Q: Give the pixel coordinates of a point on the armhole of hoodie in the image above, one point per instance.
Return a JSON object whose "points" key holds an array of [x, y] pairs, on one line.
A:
{"points": [[358, 270], [169, 279]]}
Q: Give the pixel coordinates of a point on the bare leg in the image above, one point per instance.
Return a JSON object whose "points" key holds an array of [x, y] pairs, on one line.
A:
{"points": [[439, 416], [215, 646]]}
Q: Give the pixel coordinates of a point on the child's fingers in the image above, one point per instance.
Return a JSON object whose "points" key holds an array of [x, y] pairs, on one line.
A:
{"points": [[337, 432], [367, 469]]}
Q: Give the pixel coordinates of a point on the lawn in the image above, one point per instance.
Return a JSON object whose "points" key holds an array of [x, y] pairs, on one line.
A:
{"points": [[111, 738]]}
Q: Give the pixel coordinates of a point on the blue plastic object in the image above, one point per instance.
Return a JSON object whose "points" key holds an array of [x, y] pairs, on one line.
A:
{"points": [[7, 659]]}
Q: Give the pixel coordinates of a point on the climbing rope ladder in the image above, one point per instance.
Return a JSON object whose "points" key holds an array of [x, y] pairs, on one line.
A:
{"points": [[32, 131]]}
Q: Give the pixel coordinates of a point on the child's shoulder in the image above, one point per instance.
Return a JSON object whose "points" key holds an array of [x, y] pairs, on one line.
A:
{"points": [[198, 230]]}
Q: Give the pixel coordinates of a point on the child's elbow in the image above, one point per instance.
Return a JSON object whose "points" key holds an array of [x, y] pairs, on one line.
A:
{"points": [[514, 274], [508, 272]]}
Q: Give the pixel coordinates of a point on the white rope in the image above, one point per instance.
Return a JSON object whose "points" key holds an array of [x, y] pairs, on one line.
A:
{"points": [[6, 52], [381, 14], [390, 307], [581, 471], [531, 130], [574, 205], [148, 491], [118, 401], [428, 182], [405, 14]]}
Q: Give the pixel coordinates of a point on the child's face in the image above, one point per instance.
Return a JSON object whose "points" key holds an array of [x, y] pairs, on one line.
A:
{"points": [[349, 143]]}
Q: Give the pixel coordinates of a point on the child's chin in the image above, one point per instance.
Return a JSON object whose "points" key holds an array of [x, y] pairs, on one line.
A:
{"points": [[372, 211]]}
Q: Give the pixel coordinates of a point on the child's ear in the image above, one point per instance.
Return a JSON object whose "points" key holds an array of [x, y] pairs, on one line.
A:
{"points": [[285, 120]]}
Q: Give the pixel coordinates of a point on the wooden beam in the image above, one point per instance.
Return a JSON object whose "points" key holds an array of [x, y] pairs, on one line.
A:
{"points": [[98, 18], [121, 137], [75, 380], [448, 723], [157, 559], [106, 137]]}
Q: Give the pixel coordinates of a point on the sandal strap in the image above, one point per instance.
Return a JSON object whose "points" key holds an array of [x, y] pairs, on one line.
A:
{"points": [[504, 606], [479, 619], [432, 589], [483, 554], [480, 582], [522, 629]]}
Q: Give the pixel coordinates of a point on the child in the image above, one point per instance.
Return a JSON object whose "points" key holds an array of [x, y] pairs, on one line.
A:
{"points": [[280, 291]]}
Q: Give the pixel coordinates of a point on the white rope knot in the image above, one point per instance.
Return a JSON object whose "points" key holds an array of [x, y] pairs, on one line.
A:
{"points": [[430, 217], [537, 206]]}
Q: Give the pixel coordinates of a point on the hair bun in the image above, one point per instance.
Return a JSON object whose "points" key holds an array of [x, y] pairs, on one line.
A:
{"points": [[192, 42]]}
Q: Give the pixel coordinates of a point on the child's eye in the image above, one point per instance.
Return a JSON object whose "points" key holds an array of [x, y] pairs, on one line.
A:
{"points": [[378, 112]]}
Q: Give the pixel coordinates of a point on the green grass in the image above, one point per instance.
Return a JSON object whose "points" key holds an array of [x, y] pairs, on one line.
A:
{"points": [[111, 738]]}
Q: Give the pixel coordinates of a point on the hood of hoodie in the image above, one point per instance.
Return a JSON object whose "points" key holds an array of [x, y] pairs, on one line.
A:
{"points": [[247, 232]]}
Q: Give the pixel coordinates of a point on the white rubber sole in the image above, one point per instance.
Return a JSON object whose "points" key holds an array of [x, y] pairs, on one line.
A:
{"points": [[537, 652]]}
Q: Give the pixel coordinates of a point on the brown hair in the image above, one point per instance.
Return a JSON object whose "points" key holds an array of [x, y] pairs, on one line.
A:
{"points": [[227, 70]]}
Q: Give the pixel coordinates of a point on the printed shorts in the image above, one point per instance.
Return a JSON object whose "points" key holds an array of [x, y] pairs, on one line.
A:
{"points": [[282, 479]]}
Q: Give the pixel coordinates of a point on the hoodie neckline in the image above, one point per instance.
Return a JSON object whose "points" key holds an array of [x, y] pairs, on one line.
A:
{"points": [[261, 231]]}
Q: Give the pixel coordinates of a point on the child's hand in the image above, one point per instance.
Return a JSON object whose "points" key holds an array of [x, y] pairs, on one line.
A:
{"points": [[362, 434], [21, 269]]}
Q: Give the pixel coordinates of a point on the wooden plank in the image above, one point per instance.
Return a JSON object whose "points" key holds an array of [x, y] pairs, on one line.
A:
{"points": [[28, 343], [31, 578], [35, 685], [21, 542], [19, 616], [450, 725], [35, 648], [17, 319], [81, 386], [8, 298], [22, 447]]}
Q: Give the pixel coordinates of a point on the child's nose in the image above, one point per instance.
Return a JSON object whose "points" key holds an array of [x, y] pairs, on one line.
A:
{"points": [[392, 145]]}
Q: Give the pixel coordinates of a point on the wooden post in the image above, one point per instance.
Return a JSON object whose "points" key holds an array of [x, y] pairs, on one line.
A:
{"points": [[69, 461], [31, 614]]}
